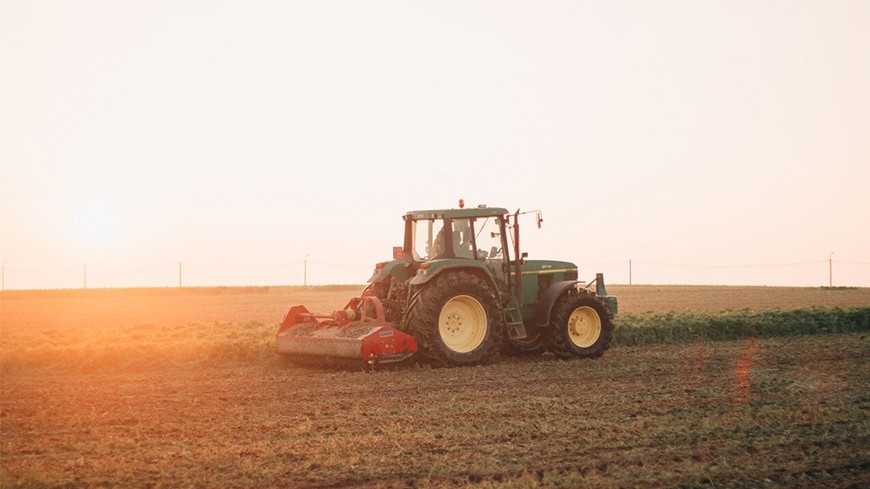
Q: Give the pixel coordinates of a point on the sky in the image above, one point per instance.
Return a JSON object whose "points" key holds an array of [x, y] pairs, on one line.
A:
{"points": [[257, 143]]}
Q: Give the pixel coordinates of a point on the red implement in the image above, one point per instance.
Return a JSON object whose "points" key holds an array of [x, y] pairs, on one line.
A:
{"points": [[359, 331]]}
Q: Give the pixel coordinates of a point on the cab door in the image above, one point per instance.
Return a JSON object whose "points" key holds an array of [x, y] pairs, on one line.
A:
{"points": [[490, 247]]}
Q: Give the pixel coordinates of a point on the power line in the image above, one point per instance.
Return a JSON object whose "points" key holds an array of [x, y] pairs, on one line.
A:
{"points": [[757, 265], [40, 270], [618, 262], [227, 265], [194, 272], [340, 265]]}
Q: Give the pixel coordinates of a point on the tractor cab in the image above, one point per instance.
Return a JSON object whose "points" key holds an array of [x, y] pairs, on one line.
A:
{"points": [[455, 233], [459, 238]]}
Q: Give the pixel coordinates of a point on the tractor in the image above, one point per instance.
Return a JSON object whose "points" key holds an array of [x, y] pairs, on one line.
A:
{"points": [[458, 292]]}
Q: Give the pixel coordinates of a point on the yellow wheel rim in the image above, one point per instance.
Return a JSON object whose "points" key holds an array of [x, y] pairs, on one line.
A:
{"points": [[584, 327], [462, 324]]}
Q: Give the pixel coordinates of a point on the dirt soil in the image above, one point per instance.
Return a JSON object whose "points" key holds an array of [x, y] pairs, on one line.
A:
{"points": [[785, 412]]}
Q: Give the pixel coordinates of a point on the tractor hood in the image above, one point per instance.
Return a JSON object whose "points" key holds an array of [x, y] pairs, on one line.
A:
{"points": [[536, 267]]}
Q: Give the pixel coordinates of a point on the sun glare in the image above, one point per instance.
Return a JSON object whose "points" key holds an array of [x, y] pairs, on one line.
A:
{"points": [[97, 223]]}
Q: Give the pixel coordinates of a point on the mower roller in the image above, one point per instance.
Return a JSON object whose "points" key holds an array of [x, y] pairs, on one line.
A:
{"points": [[359, 331], [459, 291]]}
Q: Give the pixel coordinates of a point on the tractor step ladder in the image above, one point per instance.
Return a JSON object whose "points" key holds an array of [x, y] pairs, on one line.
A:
{"points": [[513, 319]]}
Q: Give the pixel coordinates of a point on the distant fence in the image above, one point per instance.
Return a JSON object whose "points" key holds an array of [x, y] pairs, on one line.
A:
{"points": [[188, 274]]}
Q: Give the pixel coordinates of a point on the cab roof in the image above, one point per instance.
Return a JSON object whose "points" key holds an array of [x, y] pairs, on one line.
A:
{"points": [[457, 213]]}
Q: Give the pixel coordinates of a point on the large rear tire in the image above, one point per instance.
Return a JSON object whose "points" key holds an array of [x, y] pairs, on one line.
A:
{"points": [[580, 326], [455, 320]]}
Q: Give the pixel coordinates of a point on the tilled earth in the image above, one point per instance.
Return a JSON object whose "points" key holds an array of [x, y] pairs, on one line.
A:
{"points": [[787, 412]]}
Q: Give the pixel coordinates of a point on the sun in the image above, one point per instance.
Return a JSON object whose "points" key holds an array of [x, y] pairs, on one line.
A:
{"points": [[97, 223]]}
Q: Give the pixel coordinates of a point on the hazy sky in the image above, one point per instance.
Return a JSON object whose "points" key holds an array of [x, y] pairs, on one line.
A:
{"points": [[239, 137]]}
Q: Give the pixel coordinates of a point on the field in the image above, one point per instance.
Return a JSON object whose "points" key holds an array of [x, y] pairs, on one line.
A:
{"points": [[180, 388]]}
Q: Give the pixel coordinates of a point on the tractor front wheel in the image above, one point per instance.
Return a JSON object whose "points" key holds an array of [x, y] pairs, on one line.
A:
{"points": [[455, 320], [580, 326]]}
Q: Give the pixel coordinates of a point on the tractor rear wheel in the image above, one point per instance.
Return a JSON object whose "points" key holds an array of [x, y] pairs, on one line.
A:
{"points": [[580, 326], [455, 320]]}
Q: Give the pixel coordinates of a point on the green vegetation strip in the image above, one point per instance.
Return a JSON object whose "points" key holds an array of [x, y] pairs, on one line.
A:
{"points": [[683, 327]]}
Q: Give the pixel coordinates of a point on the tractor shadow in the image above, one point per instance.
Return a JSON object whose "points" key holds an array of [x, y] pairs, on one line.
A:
{"points": [[326, 364]]}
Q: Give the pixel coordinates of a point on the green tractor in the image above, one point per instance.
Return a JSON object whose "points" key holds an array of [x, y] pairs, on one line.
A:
{"points": [[459, 291]]}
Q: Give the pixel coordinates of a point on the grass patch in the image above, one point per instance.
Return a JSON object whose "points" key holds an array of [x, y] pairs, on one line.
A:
{"points": [[682, 327], [142, 347]]}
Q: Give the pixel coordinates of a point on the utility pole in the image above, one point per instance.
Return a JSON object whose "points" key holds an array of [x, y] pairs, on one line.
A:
{"points": [[629, 271], [305, 271], [831, 270]]}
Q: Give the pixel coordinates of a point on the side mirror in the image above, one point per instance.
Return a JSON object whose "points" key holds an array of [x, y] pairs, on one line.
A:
{"points": [[524, 256]]}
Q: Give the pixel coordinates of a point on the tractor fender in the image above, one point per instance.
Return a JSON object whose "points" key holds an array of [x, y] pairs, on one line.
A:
{"points": [[549, 298], [424, 276], [395, 268]]}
